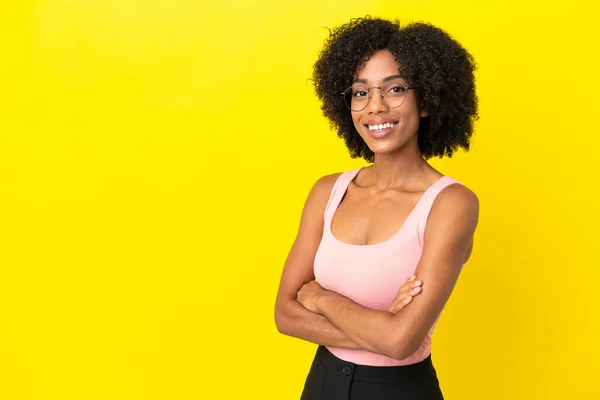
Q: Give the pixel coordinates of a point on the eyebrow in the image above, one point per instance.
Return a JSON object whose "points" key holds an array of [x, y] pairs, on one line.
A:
{"points": [[386, 79]]}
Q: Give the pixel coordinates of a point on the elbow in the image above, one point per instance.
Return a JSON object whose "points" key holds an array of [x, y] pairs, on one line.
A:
{"points": [[401, 352], [281, 320], [401, 348], [396, 351], [393, 343]]}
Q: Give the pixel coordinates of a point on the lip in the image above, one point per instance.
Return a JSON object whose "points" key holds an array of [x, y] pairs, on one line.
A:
{"points": [[380, 134]]}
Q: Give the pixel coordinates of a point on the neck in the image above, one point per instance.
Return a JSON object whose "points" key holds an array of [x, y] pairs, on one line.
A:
{"points": [[398, 169]]}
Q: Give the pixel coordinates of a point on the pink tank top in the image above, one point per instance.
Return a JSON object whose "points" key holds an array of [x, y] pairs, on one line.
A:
{"points": [[372, 274]]}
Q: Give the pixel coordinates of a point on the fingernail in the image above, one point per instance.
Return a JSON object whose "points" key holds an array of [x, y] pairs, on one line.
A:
{"points": [[412, 278], [408, 299], [418, 282]]}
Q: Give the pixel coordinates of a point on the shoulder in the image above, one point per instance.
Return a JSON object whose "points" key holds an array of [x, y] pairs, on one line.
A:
{"points": [[322, 188], [457, 195], [321, 191], [326, 182], [456, 205]]}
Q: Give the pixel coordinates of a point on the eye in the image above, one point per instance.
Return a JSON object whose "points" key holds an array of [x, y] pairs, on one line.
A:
{"points": [[359, 93], [397, 90]]}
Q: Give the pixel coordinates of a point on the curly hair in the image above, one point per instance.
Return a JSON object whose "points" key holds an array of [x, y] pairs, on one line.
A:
{"points": [[429, 58]]}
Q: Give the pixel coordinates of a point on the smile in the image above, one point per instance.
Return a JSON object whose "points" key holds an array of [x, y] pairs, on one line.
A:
{"points": [[380, 127]]}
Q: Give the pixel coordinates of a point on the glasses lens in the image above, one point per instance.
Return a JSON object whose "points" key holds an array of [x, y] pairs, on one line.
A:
{"points": [[394, 94], [356, 98]]}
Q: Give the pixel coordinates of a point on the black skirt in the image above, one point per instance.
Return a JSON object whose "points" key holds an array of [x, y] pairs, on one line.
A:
{"points": [[331, 378]]}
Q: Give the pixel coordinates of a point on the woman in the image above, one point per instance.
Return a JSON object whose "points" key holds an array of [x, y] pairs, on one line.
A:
{"points": [[397, 96]]}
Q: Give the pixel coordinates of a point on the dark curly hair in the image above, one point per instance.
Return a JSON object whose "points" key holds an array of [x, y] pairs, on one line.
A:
{"points": [[429, 58]]}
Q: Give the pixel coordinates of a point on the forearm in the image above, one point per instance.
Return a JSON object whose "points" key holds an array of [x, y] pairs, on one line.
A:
{"points": [[301, 323], [368, 328]]}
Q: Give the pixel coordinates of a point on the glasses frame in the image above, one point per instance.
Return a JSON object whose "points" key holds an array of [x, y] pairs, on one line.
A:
{"points": [[345, 92]]}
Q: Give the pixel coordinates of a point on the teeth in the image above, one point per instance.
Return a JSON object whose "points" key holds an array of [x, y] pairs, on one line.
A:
{"points": [[381, 126]]}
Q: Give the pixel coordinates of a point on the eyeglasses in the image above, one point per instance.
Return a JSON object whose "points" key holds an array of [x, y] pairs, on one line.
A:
{"points": [[393, 94]]}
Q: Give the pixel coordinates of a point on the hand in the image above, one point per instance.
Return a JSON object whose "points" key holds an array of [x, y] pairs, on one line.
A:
{"points": [[410, 289], [308, 295]]}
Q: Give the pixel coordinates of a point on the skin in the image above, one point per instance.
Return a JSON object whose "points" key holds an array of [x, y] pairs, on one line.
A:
{"points": [[375, 206]]}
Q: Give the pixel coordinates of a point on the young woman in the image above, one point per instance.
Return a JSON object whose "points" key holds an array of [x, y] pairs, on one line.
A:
{"points": [[397, 95]]}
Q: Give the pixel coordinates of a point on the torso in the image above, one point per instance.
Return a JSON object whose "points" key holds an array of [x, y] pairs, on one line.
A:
{"points": [[370, 247]]}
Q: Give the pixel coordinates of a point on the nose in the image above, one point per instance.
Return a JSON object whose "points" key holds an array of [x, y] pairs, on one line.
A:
{"points": [[376, 103]]}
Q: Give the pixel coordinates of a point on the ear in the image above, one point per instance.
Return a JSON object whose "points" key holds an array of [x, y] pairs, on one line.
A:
{"points": [[423, 110]]}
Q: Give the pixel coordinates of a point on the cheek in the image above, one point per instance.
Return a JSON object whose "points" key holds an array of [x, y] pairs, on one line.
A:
{"points": [[410, 117], [357, 123], [407, 119]]}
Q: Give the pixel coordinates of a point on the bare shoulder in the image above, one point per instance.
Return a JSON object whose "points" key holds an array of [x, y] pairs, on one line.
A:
{"points": [[323, 186], [458, 195], [456, 204], [326, 182], [319, 196]]}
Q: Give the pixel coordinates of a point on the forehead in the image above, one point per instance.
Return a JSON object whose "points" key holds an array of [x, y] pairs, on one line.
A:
{"points": [[379, 65]]}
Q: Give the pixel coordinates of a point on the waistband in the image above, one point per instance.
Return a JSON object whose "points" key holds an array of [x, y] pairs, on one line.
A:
{"points": [[369, 373]]}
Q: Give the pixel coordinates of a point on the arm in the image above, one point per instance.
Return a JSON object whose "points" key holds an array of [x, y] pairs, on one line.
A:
{"points": [[291, 317], [447, 244]]}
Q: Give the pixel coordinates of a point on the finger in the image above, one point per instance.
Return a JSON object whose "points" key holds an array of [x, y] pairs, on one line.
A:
{"points": [[393, 308], [403, 292], [400, 304], [410, 288], [411, 282], [406, 291], [394, 304], [415, 291], [401, 299], [404, 298]]}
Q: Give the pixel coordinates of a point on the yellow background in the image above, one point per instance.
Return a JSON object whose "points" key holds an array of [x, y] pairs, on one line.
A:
{"points": [[155, 156]]}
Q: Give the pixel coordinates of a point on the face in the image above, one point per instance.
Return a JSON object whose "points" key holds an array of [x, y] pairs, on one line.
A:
{"points": [[384, 127]]}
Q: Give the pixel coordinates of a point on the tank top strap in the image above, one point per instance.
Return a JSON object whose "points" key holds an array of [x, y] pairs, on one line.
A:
{"points": [[337, 193], [426, 203]]}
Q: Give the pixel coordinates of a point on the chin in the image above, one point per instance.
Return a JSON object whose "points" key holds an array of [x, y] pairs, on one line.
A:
{"points": [[385, 151], [384, 146]]}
